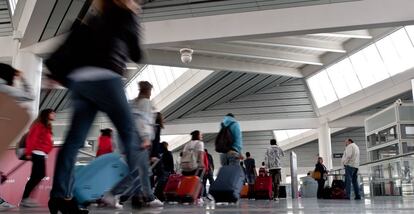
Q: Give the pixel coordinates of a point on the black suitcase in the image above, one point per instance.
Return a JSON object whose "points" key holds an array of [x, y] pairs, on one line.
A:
{"points": [[227, 186], [282, 192]]}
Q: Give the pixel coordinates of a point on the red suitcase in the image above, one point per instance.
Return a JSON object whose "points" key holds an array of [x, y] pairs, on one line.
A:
{"points": [[263, 188], [189, 189], [170, 190]]}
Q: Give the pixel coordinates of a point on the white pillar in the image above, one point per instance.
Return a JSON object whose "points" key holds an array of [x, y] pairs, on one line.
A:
{"points": [[31, 66], [325, 147], [412, 87]]}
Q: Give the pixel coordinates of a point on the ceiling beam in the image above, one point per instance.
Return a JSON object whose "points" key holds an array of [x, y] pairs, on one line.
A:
{"points": [[249, 52], [355, 34], [246, 125], [172, 58], [297, 42], [324, 18]]}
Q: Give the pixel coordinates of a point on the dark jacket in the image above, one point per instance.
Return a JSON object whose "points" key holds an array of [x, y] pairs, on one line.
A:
{"points": [[321, 168], [210, 162], [108, 40], [156, 147], [167, 162], [117, 40]]}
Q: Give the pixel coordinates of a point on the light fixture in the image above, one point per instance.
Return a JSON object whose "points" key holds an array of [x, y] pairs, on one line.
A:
{"points": [[186, 55]]}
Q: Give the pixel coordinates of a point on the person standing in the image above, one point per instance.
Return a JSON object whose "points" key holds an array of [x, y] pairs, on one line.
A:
{"points": [[250, 165], [350, 160], [93, 73], [209, 173], [321, 169], [38, 144], [272, 161], [105, 142], [233, 156]]}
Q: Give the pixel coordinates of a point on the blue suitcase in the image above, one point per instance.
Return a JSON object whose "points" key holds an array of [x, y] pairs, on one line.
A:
{"points": [[93, 180], [227, 186]]}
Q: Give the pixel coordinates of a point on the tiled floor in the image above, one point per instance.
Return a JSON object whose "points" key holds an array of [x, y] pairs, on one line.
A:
{"points": [[378, 206]]}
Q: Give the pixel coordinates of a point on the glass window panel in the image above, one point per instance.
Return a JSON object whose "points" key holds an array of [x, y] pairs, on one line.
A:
{"points": [[159, 76], [343, 78], [369, 66], [396, 51], [322, 89]]}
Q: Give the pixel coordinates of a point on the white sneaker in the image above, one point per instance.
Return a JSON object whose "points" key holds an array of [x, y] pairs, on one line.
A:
{"points": [[6, 206], [275, 199], [111, 201], [28, 202], [155, 203], [200, 201]]}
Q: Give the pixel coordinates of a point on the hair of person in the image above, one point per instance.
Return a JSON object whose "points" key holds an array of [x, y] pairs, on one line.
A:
{"points": [[230, 115], [350, 140], [106, 132], [181, 154], [273, 142], [43, 117], [195, 135], [129, 5], [320, 158], [263, 163], [308, 173], [241, 163], [247, 154], [205, 150], [7, 73], [159, 119]]}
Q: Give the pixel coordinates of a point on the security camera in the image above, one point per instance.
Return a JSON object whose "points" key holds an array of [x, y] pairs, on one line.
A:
{"points": [[186, 55]]}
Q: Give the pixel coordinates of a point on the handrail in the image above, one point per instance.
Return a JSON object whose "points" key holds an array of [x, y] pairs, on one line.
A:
{"points": [[385, 159], [87, 153]]}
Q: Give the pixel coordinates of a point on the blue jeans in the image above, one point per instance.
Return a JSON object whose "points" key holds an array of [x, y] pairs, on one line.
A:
{"points": [[230, 158], [351, 175], [89, 97]]}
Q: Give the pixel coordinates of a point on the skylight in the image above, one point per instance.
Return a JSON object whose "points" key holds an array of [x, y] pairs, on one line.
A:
{"points": [[381, 60], [12, 4], [159, 76]]}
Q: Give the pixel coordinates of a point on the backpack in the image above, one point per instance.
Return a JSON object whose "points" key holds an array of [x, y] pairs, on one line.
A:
{"points": [[224, 139], [21, 147], [189, 160]]}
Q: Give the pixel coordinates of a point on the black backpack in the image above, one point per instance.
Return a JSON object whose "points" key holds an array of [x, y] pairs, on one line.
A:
{"points": [[224, 139]]}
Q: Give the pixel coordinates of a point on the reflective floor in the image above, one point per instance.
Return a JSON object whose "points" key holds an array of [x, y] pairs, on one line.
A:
{"points": [[377, 205]]}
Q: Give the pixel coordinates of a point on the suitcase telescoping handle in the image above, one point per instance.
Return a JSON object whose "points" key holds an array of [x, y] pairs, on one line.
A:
{"points": [[14, 169]]}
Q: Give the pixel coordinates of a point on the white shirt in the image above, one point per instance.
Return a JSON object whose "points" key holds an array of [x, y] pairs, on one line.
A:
{"points": [[351, 156]]}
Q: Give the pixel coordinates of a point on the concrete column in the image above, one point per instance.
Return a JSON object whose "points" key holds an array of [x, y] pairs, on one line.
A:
{"points": [[325, 147], [31, 66]]}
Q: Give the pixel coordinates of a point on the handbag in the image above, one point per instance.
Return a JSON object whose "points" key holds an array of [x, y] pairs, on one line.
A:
{"points": [[71, 54]]}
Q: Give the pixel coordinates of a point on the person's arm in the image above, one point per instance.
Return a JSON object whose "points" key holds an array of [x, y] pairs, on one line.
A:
{"points": [[238, 135], [143, 117]]}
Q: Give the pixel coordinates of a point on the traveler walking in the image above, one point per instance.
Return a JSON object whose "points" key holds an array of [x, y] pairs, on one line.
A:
{"points": [[321, 175], [105, 142], [233, 155], [90, 63], [166, 167], [8, 77], [350, 160], [272, 160], [38, 144], [144, 120]]}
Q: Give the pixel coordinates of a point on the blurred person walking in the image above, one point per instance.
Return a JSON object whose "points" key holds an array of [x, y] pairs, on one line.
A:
{"points": [[38, 144], [91, 63]]}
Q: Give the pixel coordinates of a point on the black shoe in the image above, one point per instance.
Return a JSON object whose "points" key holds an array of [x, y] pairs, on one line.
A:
{"points": [[357, 198], [65, 206]]}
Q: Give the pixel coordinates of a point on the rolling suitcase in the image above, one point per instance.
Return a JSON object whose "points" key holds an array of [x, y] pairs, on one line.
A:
{"points": [[93, 180], [282, 191], [189, 188], [263, 188], [227, 186], [244, 191], [170, 190]]}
